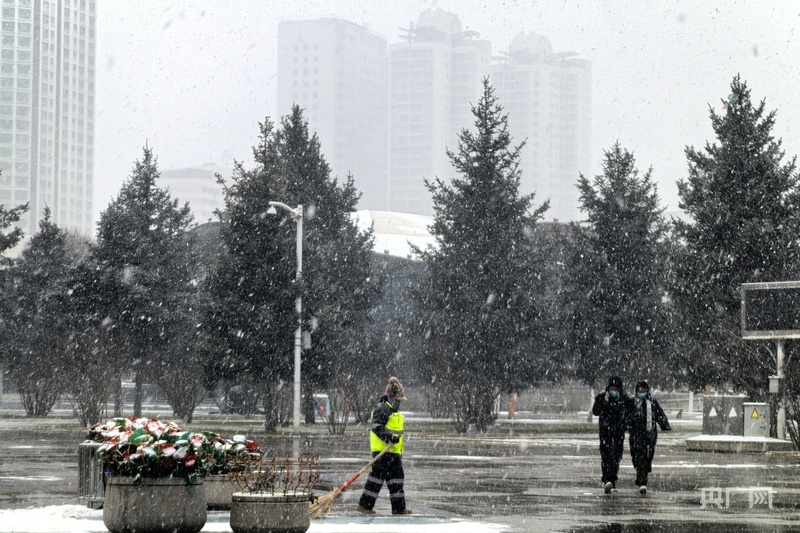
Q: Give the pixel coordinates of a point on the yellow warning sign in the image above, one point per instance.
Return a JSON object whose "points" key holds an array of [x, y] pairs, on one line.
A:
{"points": [[755, 414]]}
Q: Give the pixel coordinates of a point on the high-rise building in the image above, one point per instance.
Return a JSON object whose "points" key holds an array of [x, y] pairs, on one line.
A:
{"points": [[47, 76], [198, 186], [336, 71], [333, 69], [434, 76], [548, 99]]}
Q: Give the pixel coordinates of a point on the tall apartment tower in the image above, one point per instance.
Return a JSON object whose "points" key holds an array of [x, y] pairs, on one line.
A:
{"points": [[47, 76], [336, 71], [198, 186], [434, 77], [548, 97]]}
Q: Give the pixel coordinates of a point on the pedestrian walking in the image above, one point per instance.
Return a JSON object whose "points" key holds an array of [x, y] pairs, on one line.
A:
{"points": [[646, 415], [386, 430], [612, 408]]}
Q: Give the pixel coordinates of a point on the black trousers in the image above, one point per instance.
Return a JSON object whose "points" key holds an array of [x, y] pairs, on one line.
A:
{"points": [[610, 455], [643, 448], [388, 469]]}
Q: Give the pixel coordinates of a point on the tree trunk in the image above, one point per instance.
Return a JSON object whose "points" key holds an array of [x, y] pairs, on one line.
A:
{"points": [[271, 417], [137, 396], [119, 399], [308, 405], [347, 396]]}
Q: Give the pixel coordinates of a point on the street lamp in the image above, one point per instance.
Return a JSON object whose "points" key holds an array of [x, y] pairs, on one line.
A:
{"points": [[297, 214]]}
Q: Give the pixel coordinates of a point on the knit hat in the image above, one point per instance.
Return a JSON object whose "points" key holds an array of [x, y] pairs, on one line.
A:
{"points": [[615, 381], [394, 389], [644, 385]]}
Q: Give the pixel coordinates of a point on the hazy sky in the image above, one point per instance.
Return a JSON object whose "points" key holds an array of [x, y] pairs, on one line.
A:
{"points": [[192, 79]]}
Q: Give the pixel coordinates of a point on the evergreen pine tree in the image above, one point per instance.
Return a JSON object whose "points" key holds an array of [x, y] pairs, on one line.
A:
{"points": [[37, 354], [253, 295], [249, 311], [8, 217], [8, 239], [142, 245], [480, 301], [339, 287], [613, 297], [743, 203], [185, 352], [94, 362]]}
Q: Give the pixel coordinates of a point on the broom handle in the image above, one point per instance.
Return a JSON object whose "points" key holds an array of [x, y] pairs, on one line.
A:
{"points": [[349, 481]]}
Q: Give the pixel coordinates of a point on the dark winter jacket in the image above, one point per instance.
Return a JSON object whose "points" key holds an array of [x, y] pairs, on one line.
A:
{"points": [[639, 422], [643, 430], [613, 413]]}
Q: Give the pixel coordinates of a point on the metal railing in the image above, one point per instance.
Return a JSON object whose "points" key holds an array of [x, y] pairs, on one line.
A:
{"points": [[91, 477]]}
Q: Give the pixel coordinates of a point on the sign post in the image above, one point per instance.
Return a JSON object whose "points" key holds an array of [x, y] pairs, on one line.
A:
{"points": [[771, 311]]}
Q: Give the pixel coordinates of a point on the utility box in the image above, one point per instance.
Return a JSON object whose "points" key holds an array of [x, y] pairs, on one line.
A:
{"points": [[722, 415], [756, 419]]}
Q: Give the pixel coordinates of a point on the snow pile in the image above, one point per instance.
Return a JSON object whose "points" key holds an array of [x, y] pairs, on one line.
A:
{"points": [[56, 518], [77, 518]]}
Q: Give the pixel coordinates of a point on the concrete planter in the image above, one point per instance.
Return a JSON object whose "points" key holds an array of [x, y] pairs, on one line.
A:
{"points": [[156, 505], [267, 513], [219, 490]]}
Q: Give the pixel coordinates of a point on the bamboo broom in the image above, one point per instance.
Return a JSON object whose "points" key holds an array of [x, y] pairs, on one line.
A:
{"points": [[323, 504]]}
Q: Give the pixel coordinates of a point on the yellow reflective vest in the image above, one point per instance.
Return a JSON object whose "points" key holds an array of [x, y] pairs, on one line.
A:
{"points": [[395, 425]]}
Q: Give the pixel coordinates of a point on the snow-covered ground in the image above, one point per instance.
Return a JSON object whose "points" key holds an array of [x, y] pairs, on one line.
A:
{"points": [[80, 519]]}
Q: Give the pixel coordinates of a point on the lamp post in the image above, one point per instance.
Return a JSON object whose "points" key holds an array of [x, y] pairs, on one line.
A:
{"points": [[297, 214], [780, 391]]}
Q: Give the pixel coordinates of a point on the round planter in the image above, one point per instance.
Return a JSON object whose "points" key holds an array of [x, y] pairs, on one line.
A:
{"points": [[267, 513], [156, 505], [218, 492]]}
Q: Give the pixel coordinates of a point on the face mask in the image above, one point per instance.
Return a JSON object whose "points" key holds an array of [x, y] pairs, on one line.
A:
{"points": [[642, 394], [613, 393]]}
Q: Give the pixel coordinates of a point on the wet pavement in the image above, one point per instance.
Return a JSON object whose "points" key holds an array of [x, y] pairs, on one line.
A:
{"points": [[552, 484], [499, 482]]}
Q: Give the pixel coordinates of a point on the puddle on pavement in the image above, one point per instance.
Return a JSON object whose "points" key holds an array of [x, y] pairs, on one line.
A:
{"points": [[661, 526]]}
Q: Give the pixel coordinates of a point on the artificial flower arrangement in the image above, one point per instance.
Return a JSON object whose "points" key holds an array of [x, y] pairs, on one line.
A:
{"points": [[232, 455], [147, 447]]}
